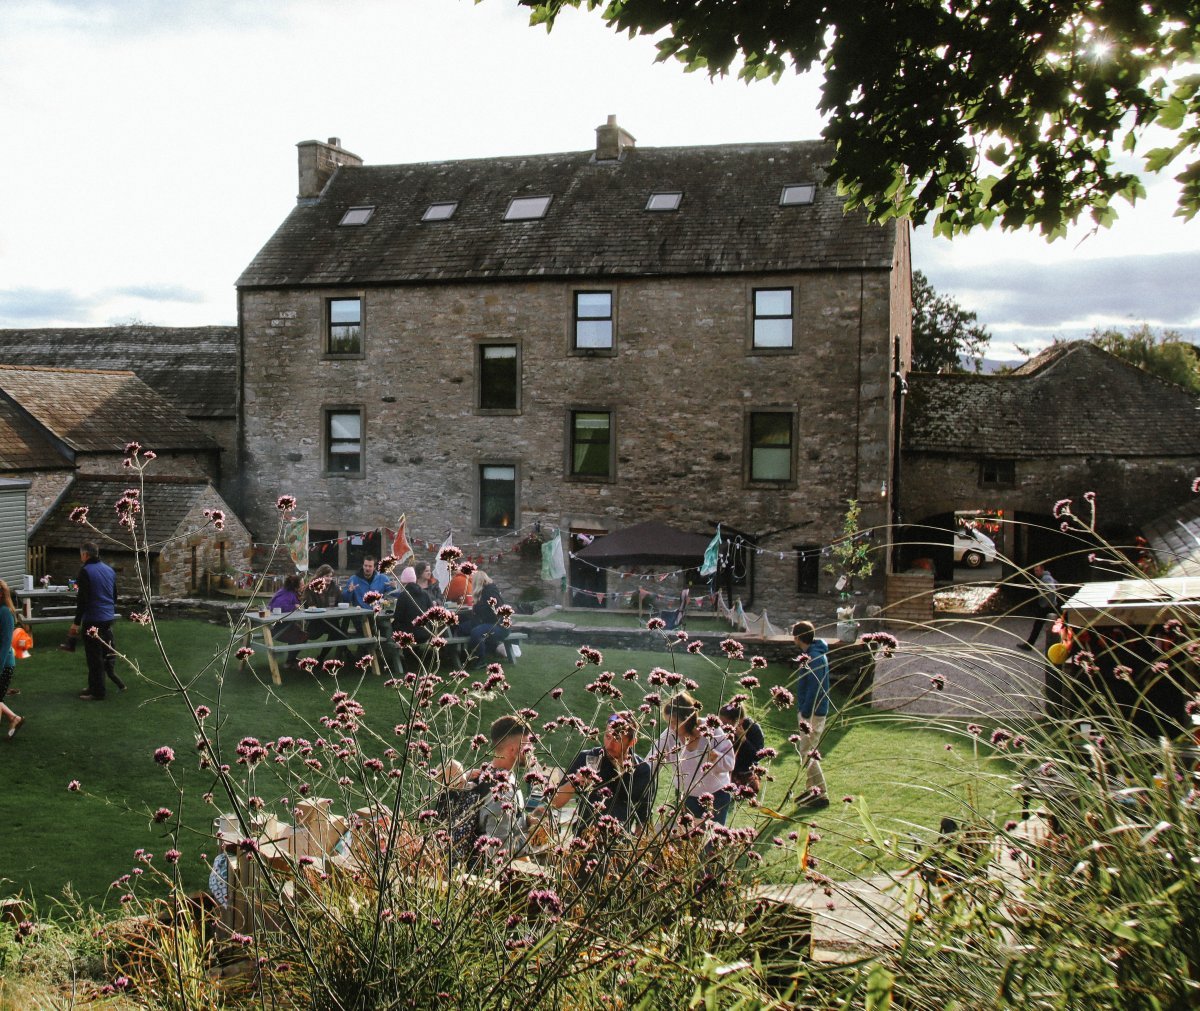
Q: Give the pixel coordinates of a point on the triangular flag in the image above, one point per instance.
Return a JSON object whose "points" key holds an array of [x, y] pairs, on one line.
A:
{"points": [[400, 548], [712, 555]]}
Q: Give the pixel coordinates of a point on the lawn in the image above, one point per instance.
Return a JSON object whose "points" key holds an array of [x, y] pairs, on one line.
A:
{"points": [[900, 769]]}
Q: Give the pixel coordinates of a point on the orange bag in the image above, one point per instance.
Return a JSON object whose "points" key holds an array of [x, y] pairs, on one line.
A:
{"points": [[22, 643]]}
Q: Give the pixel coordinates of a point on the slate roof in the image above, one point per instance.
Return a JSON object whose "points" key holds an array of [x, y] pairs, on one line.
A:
{"points": [[165, 502], [193, 367], [1175, 540], [95, 411], [1071, 400], [729, 220], [24, 446]]}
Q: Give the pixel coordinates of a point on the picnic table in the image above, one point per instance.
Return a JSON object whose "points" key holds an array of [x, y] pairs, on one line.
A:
{"points": [[262, 625], [45, 609]]}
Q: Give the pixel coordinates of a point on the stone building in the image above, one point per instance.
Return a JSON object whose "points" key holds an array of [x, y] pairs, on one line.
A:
{"points": [[1073, 419], [65, 431], [510, 347], [182, 544], [193, 368]]}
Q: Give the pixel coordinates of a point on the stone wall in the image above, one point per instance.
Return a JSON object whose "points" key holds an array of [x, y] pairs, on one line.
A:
{"points": [[44, 490], [1130, 491], [197, 465], [680, 384], [199, 549]]}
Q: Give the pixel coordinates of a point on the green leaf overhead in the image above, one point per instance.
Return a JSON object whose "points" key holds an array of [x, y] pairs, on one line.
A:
{"points": [[923, 92]]}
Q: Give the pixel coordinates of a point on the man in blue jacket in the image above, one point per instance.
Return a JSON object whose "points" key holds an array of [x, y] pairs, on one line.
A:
{"points": [[812, 706], [96, 608], [369, 579]]}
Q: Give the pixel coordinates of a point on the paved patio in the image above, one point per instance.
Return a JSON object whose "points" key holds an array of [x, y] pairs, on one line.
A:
{"points": [[986, 669]]}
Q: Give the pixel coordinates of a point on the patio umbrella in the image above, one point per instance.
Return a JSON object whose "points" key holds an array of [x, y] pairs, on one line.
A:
{"points": [[649, 543]]}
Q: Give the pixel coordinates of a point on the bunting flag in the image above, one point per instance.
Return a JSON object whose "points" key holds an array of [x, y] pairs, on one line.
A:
{"points": [[295, 537], [553, 567], [441, 569], [400, 547], [712, 555]]}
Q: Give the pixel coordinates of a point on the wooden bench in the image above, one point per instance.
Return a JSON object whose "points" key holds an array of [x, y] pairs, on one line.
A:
{"points": [[465, 640], [275, 649]]}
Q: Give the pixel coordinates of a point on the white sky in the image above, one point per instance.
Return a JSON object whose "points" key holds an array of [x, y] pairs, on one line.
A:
{"points": [[150, 150]]}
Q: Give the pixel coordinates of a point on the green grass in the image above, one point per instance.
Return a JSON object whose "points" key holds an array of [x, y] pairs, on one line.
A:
{"points": [[87, 839]]}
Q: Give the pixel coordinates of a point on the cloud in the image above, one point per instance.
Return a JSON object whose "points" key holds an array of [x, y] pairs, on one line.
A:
{"points": [[158, 293], [135, 18], [33, 306], [1158, 288]]}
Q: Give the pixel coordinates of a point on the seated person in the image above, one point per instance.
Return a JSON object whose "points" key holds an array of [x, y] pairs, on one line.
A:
{"points": [[287, 600], [369, 580], [323, 591], [411, 603], [611, 779], [427, 582], [366, 580], [459, 587], [487, 629], [502, 813], [748, 740]]}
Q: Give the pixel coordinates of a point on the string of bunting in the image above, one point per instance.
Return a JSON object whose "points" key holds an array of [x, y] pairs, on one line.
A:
{"points": [[632, 598], [470, 549]]}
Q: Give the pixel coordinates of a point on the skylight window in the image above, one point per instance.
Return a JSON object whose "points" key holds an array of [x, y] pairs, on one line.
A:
{"points": [[798, 193], [357, 216], [526, 208], [665, 201], [441, 210]]}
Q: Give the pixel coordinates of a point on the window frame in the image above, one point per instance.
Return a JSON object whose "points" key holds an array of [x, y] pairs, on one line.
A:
{"points": [[477, 505], [570, 443], [528, 199], [793, 414], [328, 411], [1005, 469], [428, 218], [677, 194], [753, 346], [576, 319], [480, 348], [812, 196], [357, 209], [327, 326]]}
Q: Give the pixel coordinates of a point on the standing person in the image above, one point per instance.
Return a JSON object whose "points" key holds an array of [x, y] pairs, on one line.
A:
{"points": [[748, 741], [8, 661], [702, 759], [617, 782], [812, 708], [1046, 605], [96, 608]]}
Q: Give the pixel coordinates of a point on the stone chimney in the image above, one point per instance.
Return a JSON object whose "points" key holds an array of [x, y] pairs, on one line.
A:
{"points": [[318, 162], [611, 140]]}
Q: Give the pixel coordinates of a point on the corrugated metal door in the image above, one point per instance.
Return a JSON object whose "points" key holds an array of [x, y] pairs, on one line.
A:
{"points": [[12, 535]]}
